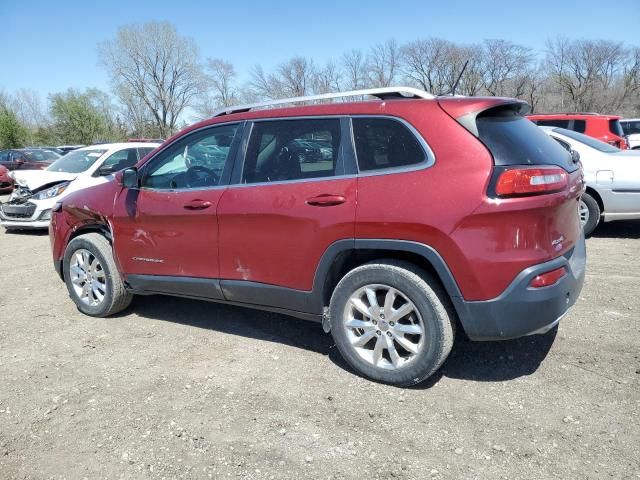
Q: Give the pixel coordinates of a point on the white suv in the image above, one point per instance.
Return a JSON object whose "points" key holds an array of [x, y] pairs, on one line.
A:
{"points": [[631, 128], [37, 191]]}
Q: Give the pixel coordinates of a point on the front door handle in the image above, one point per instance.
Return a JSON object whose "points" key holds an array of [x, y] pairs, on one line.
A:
{"points": [[326, 200], [197, 204]]}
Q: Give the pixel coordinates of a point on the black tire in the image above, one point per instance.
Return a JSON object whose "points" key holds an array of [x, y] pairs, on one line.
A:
{"points": [[116, 297], [430, 300], [594, 214]]}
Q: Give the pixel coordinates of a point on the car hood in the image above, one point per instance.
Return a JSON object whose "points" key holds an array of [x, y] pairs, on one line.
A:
{"points": [[35, 179]]}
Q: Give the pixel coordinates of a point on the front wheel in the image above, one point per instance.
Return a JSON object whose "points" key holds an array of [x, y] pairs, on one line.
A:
{"points": [[391, 322], [589, 212], [91, 276]]}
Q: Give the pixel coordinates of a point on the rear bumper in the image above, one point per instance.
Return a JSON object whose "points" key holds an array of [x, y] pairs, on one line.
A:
{"points": [[521, 310]]}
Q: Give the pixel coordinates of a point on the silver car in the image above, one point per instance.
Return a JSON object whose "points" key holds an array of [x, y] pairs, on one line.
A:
{"points": [[612, 177]]}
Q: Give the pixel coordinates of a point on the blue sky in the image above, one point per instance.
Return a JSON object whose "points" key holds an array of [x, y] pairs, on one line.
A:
{"points": [[49, 46]]}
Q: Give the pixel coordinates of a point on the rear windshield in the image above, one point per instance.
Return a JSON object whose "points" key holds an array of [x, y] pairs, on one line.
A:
{"points": [[616, 128], [514, 140]]}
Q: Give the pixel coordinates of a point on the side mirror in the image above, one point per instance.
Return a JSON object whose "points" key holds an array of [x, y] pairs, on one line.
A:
{"points": [[575, 156], [130, 178]]}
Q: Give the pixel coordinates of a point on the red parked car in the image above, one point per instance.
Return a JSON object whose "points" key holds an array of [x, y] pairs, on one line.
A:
{"points": [[606, 128], [27, 158], [417, 214], [6, 182]]}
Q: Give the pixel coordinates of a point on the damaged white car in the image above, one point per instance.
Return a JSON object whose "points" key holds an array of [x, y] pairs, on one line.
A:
{"points": [[37, 191]]}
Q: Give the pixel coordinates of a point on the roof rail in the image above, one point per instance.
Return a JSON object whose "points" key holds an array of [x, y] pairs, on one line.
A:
{"points": [[382, 93]]}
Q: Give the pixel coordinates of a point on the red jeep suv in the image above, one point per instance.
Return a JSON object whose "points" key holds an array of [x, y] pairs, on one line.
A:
{"points": [[389, 221], [606, 128]]}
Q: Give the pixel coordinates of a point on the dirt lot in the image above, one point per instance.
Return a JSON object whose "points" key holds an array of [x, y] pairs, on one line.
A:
{"points": [[183, 389]]}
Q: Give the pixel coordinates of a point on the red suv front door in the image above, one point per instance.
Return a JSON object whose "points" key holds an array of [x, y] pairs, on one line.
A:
{"points": [[168, 226], [295, 198]]}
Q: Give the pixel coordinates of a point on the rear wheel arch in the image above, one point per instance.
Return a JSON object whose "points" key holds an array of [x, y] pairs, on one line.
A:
{"points": [[346, 255], [596, 196]]}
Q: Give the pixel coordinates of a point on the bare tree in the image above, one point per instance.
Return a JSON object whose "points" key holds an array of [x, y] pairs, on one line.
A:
{"points": [[220, 84], [383, 63], [354, 66], [593, 74], [155, 64], [435, 64], [293, 78], [426, 62], [327, 79], [504, 65]]}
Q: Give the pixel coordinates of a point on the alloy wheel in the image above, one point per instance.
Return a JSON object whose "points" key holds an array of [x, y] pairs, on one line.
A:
{"points": [[583, 212], [88, 278], [384, 326]]}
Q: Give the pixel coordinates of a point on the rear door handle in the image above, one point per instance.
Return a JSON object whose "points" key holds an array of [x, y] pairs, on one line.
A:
{"points": [[197, 204], [326, 200]]}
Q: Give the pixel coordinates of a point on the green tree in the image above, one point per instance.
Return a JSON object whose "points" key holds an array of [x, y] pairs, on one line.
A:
{"points": [[81, 117], [12, 133]]}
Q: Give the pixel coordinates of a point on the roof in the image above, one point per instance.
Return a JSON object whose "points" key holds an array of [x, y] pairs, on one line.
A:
{"points": [[454, 106], [569, 115]]}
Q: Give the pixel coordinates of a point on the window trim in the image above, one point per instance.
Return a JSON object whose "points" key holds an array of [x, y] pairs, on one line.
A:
{"points": [[429, 160], [228, 168]]}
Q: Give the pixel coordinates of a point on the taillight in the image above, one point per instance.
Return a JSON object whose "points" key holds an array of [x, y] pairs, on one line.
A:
{"points": [[549, 278], [524, 181]]}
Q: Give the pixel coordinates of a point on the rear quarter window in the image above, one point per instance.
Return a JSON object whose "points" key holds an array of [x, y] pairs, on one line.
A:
{"points": [[616, 128], [514, 140], [383, 143]]}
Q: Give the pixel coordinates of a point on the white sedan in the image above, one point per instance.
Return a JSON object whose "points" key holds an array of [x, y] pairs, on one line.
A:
{"points": [[612, 177], [37, 191]]}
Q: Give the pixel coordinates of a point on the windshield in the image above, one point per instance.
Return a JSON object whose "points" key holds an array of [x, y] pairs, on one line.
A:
{"points": [[40, 155], [588, 141], [77, 161]]}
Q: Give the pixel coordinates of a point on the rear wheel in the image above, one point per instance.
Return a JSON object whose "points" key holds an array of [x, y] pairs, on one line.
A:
{"points": [[589, 212], [391, 323], [92, 278]]}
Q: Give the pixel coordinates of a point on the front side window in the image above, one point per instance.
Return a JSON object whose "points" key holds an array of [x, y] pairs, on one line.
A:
{"points": [[385, 143], [40, 155], [197, 161], [77, 161], [285, 150]]}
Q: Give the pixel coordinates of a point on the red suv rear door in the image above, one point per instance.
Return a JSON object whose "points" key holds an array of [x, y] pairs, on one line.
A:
{"points": [[295, 196], [168, 226]]}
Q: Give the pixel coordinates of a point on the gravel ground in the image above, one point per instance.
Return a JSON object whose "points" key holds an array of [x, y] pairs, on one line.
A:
{"points": [[176, 388]]}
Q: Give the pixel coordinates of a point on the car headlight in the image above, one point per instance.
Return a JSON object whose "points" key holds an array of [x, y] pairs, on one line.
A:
{"points": [[51, 192]]}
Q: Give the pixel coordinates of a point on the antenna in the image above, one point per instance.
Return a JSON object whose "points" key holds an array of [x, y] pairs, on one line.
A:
{"points": [[455, 85]]}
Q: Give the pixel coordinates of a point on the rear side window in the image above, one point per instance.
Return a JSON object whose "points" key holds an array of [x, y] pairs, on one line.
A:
{"points": [[284, 150], [579, 126], [630, 128], [615, 128], [553, 123], [385, 143], [514, 140]]}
